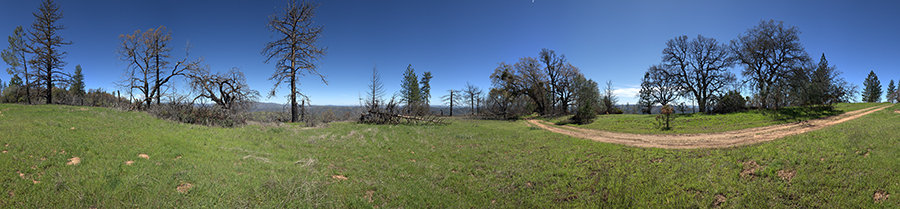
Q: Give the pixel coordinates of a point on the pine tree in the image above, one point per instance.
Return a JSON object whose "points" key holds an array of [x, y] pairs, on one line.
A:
{"points": [[15, 57], [891, 94], [872, 88], [426, 88], [77, 87], [409, 89], [45, 44]]}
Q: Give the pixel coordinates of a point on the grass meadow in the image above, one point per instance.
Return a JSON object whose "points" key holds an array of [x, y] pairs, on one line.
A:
{"points": [[708, 123], [468, 164]]}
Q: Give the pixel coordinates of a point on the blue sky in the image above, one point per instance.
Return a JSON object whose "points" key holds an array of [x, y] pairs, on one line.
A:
{"points": [[462, 41]]}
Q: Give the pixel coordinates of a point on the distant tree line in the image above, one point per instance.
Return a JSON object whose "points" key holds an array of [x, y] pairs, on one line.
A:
{"points": [[776, 69], [36, 63]]}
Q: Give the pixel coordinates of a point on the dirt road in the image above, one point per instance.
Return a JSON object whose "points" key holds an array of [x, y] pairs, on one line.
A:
{"points": [[706, 140]]}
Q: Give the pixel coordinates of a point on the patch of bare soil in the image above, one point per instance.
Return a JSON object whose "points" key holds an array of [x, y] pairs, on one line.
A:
{"points": [[184, 188], [339, 177], [750, 168], [706, 140], [720, 198], [880, 195], [74, 161], [787, 175]]}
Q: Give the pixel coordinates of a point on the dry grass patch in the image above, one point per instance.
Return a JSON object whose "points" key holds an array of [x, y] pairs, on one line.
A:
{"points": [[880, 195], [787, 175], [184, 188], [750, 168], [74, 161], [720, 198]]}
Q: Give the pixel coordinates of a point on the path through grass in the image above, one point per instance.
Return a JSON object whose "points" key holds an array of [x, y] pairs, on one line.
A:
{"points": [[467, 164]]}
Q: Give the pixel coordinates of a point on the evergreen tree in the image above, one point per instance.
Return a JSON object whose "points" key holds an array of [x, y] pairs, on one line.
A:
{"points": [[15, 57], [587, 96], [2, 86], [409, 88], [45, 44], [77, 87], [872, 88], [891, 92], [426, 88]]}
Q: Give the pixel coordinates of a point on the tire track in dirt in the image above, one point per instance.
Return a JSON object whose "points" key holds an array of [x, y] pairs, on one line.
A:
{"points": [[706, 140]]}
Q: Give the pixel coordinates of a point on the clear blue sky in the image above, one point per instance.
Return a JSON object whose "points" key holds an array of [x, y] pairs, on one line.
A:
{"points": [[462, 41]]}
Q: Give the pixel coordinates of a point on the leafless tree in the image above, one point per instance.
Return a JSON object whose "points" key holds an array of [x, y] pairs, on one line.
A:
{"points": [[147, 55], [665, 87], [295, 51], [471, 94], [608, 99], [768, 52], [228, 90], [45, 43], [452, 98], [700, 67], [375, 91]]}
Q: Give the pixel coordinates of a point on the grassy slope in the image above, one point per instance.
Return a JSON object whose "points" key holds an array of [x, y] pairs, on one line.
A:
{"points": [[466, 164], [703, 123]]}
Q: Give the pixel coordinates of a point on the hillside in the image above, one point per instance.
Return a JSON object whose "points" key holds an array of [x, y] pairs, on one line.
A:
{"points": [[131, 159]]}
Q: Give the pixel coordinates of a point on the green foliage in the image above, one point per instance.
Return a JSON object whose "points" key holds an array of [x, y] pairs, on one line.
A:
{"points": [[467, 164], [872, 88], [426, 86], [709, 123], [77, 87], [409, 87], [891, 92], [730, 102], [587, 96]]}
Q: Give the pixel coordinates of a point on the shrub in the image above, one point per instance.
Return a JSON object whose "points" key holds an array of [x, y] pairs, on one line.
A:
{"points": [[730, 102], [666, 115]]}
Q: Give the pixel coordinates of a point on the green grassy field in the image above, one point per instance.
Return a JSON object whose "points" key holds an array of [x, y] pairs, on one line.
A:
{"points": [[470, 163], [704, 123]]}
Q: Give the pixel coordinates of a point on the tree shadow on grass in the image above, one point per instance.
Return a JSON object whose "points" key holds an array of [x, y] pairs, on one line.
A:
{"points": [[802, 113]]}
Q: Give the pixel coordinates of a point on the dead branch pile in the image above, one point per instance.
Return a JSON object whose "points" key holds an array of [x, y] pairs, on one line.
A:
{"points": [[376, 117]]}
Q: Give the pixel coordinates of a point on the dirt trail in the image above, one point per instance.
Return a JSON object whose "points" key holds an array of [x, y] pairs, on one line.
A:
{"points": [[706, 140]]}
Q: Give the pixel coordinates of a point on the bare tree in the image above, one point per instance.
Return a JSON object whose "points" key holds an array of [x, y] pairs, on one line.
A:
{"points": [[471, 94], [768, 52], [665, 87], [700, 67], [608, 99], [147, 55], [375, 91], [452, 98], [296, 48], [228, 90], [15, 57], [45, 45]]}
